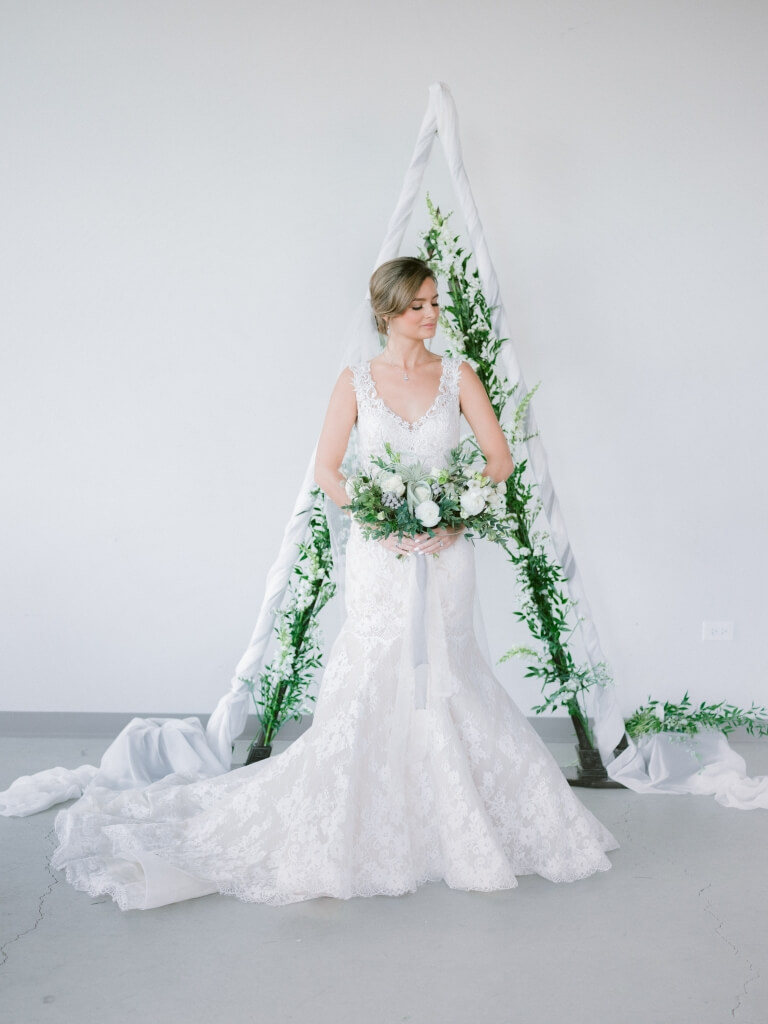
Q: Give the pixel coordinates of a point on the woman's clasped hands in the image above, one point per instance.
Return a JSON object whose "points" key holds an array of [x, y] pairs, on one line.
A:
{"points": [[423, 543]]}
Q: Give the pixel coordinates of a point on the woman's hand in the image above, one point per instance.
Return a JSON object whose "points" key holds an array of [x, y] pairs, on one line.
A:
{"points": [[423, 543]]}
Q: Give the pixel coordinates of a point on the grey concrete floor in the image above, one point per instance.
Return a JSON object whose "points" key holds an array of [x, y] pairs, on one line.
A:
{"points": [[676, 932]]}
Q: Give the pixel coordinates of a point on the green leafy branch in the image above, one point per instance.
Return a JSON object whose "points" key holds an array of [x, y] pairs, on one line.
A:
{"points": [[686, 717], [283, 686]]}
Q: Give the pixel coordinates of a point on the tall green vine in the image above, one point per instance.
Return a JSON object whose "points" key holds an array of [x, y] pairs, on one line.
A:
{"points": [[546, 610]]}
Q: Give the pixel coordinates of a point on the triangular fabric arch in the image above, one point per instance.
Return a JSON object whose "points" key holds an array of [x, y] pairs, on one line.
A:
{"points": [[440, 121], [151, 749]]}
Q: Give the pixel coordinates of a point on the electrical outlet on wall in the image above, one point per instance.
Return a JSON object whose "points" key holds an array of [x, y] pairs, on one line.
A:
{"points": [[717, 631]]}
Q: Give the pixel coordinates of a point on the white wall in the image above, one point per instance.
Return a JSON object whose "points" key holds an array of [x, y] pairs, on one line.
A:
{"points": [[192, 198]]}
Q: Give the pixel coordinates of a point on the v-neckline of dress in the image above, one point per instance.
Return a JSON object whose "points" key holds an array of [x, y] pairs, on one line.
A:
{"points": [[410, 424]]}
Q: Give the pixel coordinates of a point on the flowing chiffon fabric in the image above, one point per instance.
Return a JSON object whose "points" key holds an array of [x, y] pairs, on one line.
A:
{"points": [[410, 772]]}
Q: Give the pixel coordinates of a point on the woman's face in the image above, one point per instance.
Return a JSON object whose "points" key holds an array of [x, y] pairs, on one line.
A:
{"points": [[419, 320]]}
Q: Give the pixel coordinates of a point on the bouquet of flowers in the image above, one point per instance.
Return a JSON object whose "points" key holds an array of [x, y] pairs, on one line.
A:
{"points": [[409, 499]]}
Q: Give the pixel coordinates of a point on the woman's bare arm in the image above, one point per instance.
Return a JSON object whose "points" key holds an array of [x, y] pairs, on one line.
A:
{"points": [[478, 411], [334, 437]]}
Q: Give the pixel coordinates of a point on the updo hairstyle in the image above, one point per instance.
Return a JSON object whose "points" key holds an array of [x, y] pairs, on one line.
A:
{"points": [[394, 285]]}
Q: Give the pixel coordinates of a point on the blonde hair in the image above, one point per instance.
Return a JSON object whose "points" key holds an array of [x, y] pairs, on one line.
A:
{"points": [[393, 286]]}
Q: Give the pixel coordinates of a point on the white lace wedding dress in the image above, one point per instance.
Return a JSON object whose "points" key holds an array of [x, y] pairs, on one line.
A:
{"points": [[405, 775]]}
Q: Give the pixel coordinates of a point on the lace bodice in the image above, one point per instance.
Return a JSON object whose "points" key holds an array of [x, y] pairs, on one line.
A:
{"points": [[429, 439]]}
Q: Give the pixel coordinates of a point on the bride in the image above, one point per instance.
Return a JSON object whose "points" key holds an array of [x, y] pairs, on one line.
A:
{"points": [[418, 765]]}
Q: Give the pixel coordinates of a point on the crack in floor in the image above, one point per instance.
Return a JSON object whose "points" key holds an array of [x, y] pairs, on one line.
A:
{"points": [[40, 904], [753, 972], [622, 821]]}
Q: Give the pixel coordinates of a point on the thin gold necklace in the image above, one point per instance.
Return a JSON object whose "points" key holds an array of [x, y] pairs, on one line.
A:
{"points": [[405, 372]]}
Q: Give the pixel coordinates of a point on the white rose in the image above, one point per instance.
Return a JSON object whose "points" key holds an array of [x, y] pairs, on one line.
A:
{"points": [[428, 513], [502, 487], [472, 502], [392, 483]]}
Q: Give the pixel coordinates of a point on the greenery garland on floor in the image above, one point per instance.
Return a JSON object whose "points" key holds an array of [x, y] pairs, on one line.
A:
{"points": [[282, 690], [686, 717]]}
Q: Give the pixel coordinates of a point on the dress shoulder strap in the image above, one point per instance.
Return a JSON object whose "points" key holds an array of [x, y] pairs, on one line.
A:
{"points": [[362, 381], [452, 374]]}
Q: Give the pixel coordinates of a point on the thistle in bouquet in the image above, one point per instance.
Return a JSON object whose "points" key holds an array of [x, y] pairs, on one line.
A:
{"points": [[394, 496]]}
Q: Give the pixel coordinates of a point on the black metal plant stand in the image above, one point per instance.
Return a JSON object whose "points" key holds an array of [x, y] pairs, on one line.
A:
{"points": [[590, 772]]}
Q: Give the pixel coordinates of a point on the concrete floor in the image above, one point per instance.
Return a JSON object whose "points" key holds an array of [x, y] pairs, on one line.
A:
{"points": [[676, 932]]}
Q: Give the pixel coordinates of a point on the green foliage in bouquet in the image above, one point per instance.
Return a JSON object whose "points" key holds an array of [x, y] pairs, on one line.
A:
{"points": [[408, 499], [282, 690], [686, 717]]}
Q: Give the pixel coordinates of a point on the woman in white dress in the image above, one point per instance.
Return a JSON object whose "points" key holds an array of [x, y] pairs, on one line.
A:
{"points": [[418, 765]]}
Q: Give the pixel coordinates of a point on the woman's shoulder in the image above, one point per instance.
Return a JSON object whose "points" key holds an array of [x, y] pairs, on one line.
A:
{"points": [[459, 362], [356, 373], [357, 379], [463, 369], [454, 368]]}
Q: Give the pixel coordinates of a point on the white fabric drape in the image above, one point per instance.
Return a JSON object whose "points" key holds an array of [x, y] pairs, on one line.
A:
{"points": [[704, 764], [146, 750]]}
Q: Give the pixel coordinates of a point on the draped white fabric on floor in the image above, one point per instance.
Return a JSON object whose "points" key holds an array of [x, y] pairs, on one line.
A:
{"points": [[149, 749]]}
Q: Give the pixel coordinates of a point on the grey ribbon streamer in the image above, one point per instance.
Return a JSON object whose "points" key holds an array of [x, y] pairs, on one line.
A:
{"points": [[418, 634]]}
